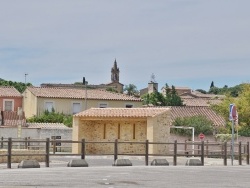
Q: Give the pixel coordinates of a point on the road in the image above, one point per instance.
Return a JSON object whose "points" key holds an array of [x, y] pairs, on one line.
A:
{"points": [[132, 177], [101, 173]]}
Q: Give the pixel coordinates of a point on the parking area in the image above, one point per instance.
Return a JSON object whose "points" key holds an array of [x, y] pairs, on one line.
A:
{"points": [[133, 177]]}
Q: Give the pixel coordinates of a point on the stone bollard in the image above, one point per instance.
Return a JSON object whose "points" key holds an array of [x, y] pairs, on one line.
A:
{"points": [[28, 164], [77, 163], [159, 162]]}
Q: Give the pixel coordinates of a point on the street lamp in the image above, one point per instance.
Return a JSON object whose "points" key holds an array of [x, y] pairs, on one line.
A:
{"points": [[85, 98]]}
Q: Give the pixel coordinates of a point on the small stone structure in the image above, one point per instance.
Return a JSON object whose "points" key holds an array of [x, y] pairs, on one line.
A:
{"points": [[124, 124]]}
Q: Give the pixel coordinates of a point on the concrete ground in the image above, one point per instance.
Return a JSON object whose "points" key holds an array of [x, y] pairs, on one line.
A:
{"points": [[101, 173]]}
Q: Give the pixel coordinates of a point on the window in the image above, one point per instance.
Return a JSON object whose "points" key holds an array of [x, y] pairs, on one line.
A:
{"points": [[8, 105], [129, 105], [49, 106], [76, 108], [103, 105]]}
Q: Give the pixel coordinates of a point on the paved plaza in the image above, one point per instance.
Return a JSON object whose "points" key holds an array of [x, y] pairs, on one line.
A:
{"points": [[101, 173]]}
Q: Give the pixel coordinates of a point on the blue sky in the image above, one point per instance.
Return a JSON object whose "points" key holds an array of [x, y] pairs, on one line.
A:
{"points": [[182, 42]]}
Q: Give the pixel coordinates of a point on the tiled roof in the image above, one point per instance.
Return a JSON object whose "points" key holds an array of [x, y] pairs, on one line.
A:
{"points": [[11, 118], [122, 112], [47, 125], [188, 111], [73, 93], [200, 101], [197, 94], [9, 91]]}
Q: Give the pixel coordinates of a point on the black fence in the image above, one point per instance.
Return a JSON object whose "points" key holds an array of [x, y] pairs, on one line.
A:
{"points": [[191, 149]]}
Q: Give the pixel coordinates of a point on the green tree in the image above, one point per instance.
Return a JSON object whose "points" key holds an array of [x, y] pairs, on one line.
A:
{"points": [[171, 98], [212, 84], [201, 91], [242, 103], [200, 123], [18, 85], [131, 90], [111, 90]]}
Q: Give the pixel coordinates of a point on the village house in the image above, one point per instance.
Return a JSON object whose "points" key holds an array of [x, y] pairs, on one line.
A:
{"points": [[10, 103], [73, 100]]}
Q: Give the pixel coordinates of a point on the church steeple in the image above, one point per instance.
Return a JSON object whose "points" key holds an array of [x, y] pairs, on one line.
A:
{"points": [[115, 73]]}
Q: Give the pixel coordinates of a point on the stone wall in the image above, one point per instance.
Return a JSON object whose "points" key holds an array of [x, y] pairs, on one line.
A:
{"points": [[108, 131], [36, 133], [18, 159]]}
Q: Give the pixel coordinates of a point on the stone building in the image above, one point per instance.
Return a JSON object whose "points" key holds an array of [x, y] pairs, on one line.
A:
{"points": [[124, 124], [114, 84]]}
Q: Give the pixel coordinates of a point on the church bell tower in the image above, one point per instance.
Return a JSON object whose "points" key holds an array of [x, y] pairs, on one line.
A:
{"points": [[115, 73]]}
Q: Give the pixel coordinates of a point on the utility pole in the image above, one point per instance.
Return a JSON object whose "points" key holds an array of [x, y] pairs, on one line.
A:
{"points": [[85, 98]]}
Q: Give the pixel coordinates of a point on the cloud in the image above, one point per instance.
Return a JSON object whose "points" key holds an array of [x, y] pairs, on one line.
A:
{"points": [[182, 42]]}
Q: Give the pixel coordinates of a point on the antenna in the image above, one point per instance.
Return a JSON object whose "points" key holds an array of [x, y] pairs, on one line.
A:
{"points": [[152, 78]]}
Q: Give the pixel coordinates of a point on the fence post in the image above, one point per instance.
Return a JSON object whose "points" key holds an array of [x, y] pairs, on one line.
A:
{"points": [[47, 152], [239, 154], [207, 149], [54, 145], [9, 153], [185, 146], [83, 149], [247, 153], [26, 144], [202, 153], [116, 150], [225, 153], [2, 142], [146, 153], [175, 153]]}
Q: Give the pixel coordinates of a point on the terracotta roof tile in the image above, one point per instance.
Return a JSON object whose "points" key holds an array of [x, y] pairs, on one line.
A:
{"points": [[73, 93], [200, 101], [122, 112], [189, 111], [47, 125], [9, 91]]}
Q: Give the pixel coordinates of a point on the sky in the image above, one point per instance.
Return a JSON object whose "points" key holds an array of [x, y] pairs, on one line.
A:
{"points": [[185, 43]]}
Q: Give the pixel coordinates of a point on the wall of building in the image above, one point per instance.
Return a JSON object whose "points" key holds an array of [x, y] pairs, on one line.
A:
{"points": [[29, 104], [159, 131], [17, 102], [66, 105], [36, 133], [109, 130]]}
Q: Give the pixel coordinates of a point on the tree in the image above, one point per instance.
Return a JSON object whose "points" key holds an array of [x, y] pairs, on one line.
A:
{"points": [[171, 98], [200, 123], [212, 84], [201, 91], [131, 90], [242, 103], [111, 90], [18, 85]]}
